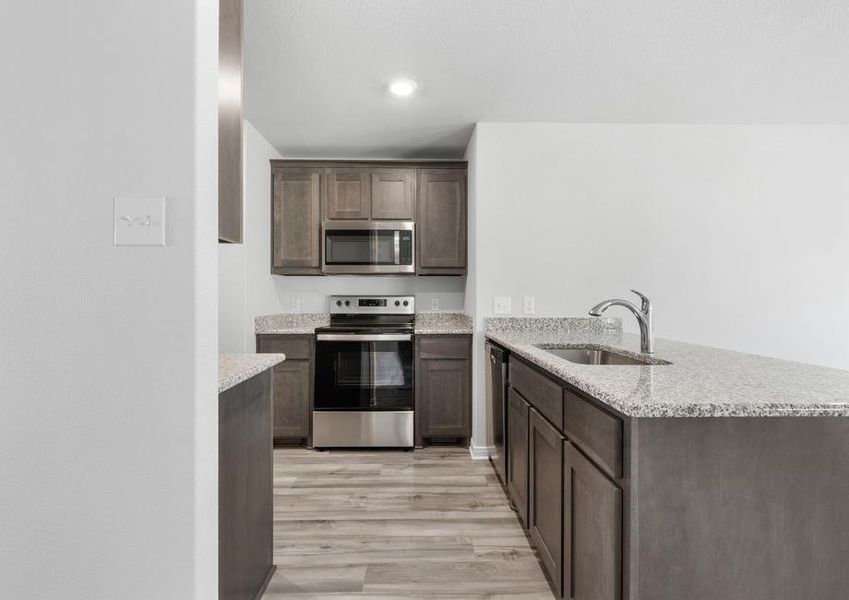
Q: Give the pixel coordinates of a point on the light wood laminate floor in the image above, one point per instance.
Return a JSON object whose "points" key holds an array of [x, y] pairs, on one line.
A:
{"points": [[426, 524]]}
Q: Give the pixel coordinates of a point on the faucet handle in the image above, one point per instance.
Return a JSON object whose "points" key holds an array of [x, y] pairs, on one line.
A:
{"points": [[646, 303]]}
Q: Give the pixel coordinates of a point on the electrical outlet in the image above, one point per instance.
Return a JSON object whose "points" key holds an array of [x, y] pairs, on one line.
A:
{"points": [[501, 305], [434, 304], [529, 305], [296, 304]]}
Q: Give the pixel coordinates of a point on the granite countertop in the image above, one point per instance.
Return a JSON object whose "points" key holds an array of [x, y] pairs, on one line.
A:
{"points": [[233, 369], [290, 323], [444, 323], [430, 323], [700, 382]]}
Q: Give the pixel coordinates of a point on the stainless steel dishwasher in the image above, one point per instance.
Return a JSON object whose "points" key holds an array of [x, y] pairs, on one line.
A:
{"points": [[496, 379]]}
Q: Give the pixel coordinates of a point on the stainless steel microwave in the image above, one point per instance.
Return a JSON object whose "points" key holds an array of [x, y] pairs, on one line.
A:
{"points": [[382, 247]]}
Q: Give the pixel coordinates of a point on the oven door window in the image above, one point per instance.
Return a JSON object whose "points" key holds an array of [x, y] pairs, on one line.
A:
{"points": [[364, 376], [348, 247]]}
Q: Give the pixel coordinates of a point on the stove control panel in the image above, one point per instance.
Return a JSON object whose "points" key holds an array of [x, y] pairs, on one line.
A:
{"points": [[373, 305]]}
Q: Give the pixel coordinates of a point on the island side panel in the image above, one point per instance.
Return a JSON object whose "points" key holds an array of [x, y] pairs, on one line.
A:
{"points": [[245, 492], [754, 508]]}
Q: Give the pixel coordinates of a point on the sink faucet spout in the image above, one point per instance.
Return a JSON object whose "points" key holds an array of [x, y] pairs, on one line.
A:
{"points": [[643, 313]]}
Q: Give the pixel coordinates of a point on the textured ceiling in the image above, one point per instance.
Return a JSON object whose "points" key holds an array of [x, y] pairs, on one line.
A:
{"points": [[316, 70]]}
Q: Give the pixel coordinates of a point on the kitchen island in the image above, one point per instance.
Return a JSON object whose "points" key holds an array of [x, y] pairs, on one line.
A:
{"points": [[719, 475], [245, 474]]}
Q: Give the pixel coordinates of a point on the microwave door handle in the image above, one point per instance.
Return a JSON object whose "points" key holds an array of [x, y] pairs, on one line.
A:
{"points": [[397, 247]]}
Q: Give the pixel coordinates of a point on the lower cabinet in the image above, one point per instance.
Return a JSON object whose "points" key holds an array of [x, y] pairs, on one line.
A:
{"points": [[592, 531], [545, 496], [443, 387], [292, 385], [517, 453]]}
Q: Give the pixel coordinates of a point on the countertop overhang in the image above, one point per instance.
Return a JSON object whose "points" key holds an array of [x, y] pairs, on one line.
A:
{"points": [[700, 382], [234, 369]]}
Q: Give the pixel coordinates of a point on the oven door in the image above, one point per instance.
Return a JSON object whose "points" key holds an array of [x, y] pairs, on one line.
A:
{"points": [[364, 372], [368, 247]]}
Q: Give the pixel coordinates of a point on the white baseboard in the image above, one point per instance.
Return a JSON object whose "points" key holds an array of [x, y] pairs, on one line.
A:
{"points": [[479, 452]]}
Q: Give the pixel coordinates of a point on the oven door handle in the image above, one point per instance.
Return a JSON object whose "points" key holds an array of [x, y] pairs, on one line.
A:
{"points": [[364, 337]]}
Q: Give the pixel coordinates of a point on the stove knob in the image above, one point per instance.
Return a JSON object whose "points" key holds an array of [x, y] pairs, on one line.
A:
{"points": [[338, 303], [347, 303], [397, 303], [406, 303]]}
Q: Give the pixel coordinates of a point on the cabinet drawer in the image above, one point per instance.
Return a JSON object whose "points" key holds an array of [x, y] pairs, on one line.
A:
{"points": [[541, 392], [597, 433], [438, 346], [293, 346]]}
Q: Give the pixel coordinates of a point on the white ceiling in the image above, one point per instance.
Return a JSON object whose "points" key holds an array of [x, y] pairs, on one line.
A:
{"points": [[316, 70]]}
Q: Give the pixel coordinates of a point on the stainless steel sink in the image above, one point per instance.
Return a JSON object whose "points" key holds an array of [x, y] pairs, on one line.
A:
{"points": [[595, 356]]}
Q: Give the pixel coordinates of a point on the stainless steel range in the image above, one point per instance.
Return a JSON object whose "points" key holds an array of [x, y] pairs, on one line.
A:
{"points": [[364, 373]]}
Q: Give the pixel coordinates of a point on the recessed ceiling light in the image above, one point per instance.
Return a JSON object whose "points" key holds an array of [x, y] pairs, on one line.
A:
{"points": [[402, 87]]}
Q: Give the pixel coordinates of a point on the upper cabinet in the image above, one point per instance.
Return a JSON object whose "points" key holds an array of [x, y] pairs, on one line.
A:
{"points": [[306, 194], [230, 121], [393, 194], [295, 221], [347, 194], [441, 222]]}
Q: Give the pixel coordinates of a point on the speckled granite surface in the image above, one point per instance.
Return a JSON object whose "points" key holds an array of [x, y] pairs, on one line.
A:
{"points": [[233, 369], [290, 323], [700, 382], [434, 323], [552, 324], [443, 323]]}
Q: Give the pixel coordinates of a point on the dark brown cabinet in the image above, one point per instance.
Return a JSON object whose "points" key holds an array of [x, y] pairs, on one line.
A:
{"points": [[347, 194], [393, 194], [545, 495], [230, 210], [443, 387], [292, 382], [306, 193], [592, 531], [295, 222], [517, 453], [441, 222]]}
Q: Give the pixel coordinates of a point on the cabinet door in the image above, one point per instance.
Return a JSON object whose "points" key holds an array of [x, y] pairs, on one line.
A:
{"points": [[443, 391], [291, 383], [296, 229], [441, 221], [545, 496], [517, 453], [393, 194], [347, 194], [592, 531], [292, 399]]}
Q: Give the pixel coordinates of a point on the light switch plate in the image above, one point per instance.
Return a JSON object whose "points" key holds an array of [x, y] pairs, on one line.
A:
{"points": [[139, 221], [502, 305], [529, 305]]}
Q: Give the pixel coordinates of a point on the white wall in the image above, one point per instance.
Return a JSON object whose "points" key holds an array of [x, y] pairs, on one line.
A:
{"points": [[108, 413], [265, 293], [740, 234]]}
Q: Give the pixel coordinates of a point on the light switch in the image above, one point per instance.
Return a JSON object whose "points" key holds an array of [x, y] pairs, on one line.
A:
{"points": [[529, 305], [502, 305], [139, 221]]}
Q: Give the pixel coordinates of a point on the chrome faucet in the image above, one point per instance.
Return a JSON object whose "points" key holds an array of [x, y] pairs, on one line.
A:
{"points": [[643, 314]]}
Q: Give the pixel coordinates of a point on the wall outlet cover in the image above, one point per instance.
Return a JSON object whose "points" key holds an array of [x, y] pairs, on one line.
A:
{"points": [[434, 304], [502, 305], [296, 304], [139, 221], [529, 305]]}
